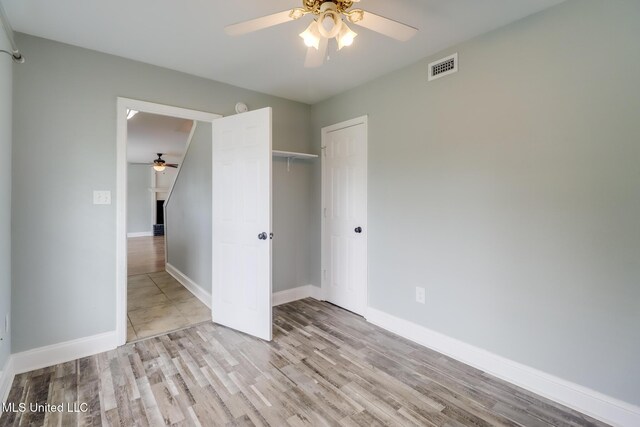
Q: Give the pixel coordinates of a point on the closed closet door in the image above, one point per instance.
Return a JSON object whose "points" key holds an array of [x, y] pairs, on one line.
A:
{"points": [[344, 233]]}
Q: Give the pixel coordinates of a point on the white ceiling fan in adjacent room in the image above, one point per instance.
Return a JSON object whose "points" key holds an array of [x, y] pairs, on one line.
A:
{"points": [[329, 22]]}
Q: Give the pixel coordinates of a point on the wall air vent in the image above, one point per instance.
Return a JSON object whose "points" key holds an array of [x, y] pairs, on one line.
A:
{"points": [[443, 67]]}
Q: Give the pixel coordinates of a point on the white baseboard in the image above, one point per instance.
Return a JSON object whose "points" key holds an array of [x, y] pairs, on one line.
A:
{"points": [[6, 379], [279, 298], [290, 295], [583, 399], [54, 354], [191, 286], [141, 234]]}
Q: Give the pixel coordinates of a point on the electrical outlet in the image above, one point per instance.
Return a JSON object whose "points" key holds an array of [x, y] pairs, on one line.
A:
{"points": [[102, 197], [420, 295]]}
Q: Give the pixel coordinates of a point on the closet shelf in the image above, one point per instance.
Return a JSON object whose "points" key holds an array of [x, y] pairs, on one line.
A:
{"points": [[292, 155]]}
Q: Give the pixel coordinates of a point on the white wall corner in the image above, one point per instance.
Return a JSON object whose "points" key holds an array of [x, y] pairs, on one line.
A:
{"points": [[290, 295], [67, 351], [6, 379], [191, 286], [316, 293], [590, 402]]}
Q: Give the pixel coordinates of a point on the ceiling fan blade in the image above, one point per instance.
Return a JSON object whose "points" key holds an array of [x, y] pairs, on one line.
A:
{"points": [[171, 165], [259, 23], [315, 57], [388, 27]]}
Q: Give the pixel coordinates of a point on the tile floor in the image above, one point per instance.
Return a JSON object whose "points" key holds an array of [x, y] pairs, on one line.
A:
{"points": [[158, 303], [145, 254]]}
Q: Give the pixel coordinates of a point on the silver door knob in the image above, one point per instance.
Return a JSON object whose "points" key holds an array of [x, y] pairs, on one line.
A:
{"points": [[262, 236]]}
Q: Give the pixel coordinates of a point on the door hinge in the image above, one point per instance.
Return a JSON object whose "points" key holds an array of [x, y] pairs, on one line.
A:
{"points": [[324, 213]]}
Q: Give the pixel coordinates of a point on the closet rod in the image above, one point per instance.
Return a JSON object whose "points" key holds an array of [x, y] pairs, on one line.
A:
{"points": [[15, 52]]}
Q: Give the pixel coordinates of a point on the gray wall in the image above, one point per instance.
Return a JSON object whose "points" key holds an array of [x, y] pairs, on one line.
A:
{"points": [[66, 115], [6, 86], [510, 191], [294, 223], [189, 212], [139, 199]]}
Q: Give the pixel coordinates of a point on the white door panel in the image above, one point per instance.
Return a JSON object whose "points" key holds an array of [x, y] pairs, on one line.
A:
{"points": [[241, 276], [345, 215]]}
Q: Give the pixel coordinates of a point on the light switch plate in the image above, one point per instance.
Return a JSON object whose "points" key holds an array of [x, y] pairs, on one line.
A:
{"points": [[101, 197]]}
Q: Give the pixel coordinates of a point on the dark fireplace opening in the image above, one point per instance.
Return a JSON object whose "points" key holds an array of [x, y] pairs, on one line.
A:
{"points": [[159, 211], [158, 227]]}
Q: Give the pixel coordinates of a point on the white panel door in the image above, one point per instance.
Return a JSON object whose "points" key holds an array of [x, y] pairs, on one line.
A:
{"points": [[241, 288], [344, 191]]}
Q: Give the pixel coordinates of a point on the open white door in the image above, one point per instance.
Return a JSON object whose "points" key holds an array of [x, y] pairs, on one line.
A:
{"points": [[241, 288]]}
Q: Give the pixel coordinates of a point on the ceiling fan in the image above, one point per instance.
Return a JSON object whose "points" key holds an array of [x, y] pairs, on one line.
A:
{"points": [[160, 165], [329, 22]]}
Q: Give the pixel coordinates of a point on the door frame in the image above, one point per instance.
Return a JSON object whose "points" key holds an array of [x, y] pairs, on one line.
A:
{"points": [[363, 120], [122, 105]]}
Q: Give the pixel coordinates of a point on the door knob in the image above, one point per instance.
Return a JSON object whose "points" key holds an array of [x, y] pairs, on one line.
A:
{"points": [[358, 230], [262, 236]]}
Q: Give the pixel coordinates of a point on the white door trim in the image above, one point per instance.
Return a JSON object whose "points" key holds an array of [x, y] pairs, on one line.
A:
{"points": [[122, 105], [154, 197], [323, 237]]}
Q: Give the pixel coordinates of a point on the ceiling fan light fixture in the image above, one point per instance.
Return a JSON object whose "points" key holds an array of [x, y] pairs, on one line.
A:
{"points": [[331, 18], [311, 35], [346, 36], [329, 24], [159, 164]]}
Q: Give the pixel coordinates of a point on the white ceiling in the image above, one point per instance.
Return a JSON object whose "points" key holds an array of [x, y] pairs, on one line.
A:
{"points": [[187, 35], [149, 134]]}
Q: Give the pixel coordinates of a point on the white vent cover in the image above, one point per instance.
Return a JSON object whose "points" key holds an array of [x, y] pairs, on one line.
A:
{"points": [[443, 67]]}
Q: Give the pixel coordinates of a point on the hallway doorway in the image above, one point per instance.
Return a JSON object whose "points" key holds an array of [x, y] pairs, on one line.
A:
{"points": [[156, 302], [152, 142]]}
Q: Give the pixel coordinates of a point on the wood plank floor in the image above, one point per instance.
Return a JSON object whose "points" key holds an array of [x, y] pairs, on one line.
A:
{"points": [[325, 366]]}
